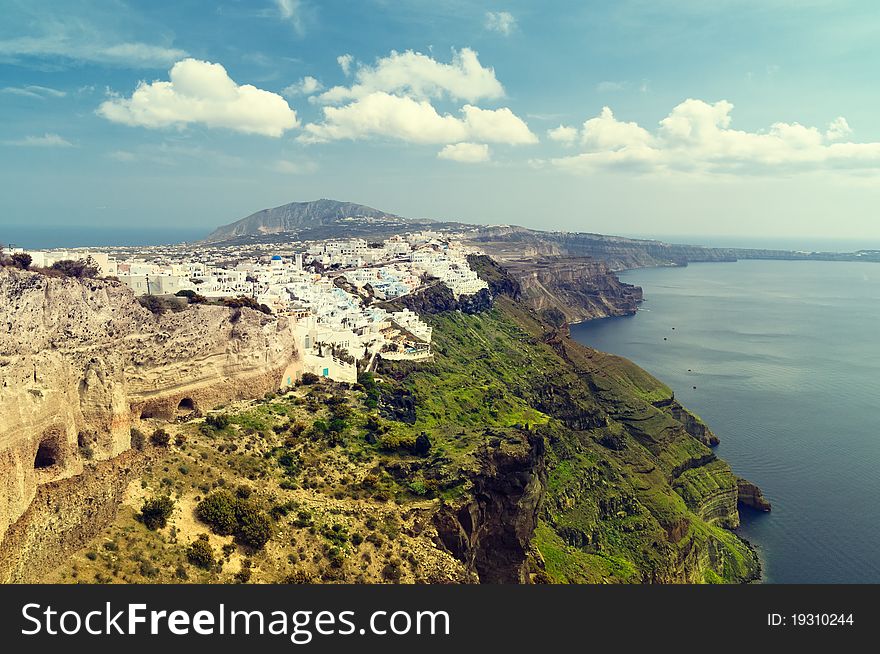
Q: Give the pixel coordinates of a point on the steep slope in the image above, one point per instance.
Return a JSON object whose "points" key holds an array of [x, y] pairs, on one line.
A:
{"points": [[583, 467], [296, 216], [573, 289], [82, 364]]}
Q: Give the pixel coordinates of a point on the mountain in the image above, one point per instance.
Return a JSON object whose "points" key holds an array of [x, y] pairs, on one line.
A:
{"points": [[299, 216]]}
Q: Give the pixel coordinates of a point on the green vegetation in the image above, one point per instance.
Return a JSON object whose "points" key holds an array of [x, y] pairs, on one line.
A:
{"points": [[629, 493], [348, 483], [201, 554], [156, 511], [228, 514]]}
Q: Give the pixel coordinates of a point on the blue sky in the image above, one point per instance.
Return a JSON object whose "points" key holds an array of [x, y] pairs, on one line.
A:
{"points": [[753, 118]]}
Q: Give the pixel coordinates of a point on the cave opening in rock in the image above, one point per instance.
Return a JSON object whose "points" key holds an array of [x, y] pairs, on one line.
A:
{"points": [[47, 454], [186, 406]]}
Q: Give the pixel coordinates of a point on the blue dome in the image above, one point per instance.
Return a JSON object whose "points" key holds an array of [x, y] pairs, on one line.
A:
{"points": [[276, 258]]}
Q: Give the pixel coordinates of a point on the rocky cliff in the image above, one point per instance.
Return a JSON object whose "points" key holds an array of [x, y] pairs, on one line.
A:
{"points": [[573, 289], [578, 466], [82, 363], [618, 252]]}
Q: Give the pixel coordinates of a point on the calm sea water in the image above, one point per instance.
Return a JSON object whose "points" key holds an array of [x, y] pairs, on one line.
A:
{"points": [[785, 358], [66, 236]]}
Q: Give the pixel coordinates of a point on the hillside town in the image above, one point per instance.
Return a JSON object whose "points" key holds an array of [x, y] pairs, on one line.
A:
{"points": [[333, 290]]}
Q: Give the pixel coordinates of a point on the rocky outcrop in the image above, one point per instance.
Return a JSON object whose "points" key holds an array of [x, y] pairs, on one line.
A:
{"points": [[491, 532], [578, 288], [81, 363], [438, 298], [692, 424], [64, 516], [748, 494], [618, 252]]}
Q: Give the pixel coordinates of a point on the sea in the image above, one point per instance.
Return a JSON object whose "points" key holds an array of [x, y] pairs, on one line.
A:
{"points": [[782, 360], [68, 236]]}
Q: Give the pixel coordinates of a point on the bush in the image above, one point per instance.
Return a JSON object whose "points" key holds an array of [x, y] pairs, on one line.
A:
{"points": [[201, 554], [79, 269], [243, 301], [309, 378], [218, 511], [226, 514], [254, 528], [152, 304], [21, 260], [191, 296], [156, 511], [217, 420], [160, 438]]}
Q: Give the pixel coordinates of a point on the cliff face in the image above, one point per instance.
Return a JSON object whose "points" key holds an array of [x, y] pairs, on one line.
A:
{"points": [[81, 363], [618, 252], [578, 288], [491, 532], [606, 478]]}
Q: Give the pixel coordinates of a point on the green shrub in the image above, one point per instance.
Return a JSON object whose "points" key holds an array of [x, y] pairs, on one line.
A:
{"points": [[226, 514], [309, 378], [217, 420], [254, 529], [201, 554], [156, 511], [218, 511]]}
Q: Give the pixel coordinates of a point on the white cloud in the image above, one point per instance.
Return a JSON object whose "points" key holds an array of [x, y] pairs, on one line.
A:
{"points": [[34, 91], [697, 137], [292, 12], [563, 134], [345, 61], [418, 75], [605, 132], [90, 48], [45, 141], [381, 114], [502, 22], [203, 93], [497, 126], [838, 129], [306, 86], [465, 152]]}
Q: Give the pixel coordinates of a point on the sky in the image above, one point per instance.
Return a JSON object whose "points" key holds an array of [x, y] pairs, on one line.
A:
{"points": [[731, 118]]}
